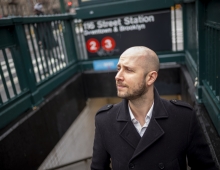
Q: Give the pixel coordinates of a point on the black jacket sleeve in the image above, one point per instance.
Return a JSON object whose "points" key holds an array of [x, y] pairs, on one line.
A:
{"points": [[100, 158]]}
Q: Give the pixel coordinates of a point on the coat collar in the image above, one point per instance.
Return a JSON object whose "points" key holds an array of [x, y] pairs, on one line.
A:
{"points": [[159, 110], [153, 132]]}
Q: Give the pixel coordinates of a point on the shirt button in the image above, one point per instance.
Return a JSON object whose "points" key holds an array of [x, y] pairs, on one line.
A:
{"points": [[161, 165], [131, 166]]}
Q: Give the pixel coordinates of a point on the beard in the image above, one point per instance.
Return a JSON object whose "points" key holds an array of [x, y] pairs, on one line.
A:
{"points": [[135, 93]]}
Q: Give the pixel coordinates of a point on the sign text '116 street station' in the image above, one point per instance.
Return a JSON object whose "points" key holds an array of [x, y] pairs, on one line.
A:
{"points": [[111, 36]]}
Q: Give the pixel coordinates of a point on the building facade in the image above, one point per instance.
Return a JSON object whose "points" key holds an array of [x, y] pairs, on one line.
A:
{"points": [[26, 7]]}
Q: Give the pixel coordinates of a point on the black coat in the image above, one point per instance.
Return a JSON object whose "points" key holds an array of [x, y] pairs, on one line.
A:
{"points": [[44, 34], [172, 135]]}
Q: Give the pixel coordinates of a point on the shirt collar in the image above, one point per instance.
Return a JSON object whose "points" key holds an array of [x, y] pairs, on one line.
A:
{"points": [[148, 116]]}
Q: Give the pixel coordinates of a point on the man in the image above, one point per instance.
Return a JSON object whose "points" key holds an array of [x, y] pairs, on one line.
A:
{"points": [[46, 41], [38, 9], [145, 132], [44, 31]]}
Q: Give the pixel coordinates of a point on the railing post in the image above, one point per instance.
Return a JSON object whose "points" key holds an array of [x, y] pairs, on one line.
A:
{"points": [[69, 40], [18, 66], [36, 97], [201, 63], [62, 6]]}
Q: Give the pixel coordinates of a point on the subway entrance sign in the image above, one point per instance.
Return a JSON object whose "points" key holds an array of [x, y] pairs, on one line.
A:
{"points": [[111, 36]]}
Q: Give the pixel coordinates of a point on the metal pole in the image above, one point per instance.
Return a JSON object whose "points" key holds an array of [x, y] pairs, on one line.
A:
{"points": [[62, 6]]}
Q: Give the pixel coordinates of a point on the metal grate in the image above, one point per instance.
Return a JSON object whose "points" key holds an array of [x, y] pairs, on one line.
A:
{"points": [[47, 48], [9, 83]]}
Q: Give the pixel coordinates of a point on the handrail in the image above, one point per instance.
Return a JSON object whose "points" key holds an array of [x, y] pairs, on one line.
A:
{"points": [[70, 163]]}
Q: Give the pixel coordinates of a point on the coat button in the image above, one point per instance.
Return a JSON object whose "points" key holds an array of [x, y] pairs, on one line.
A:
{"points": [[161, 165], [131, 166]]}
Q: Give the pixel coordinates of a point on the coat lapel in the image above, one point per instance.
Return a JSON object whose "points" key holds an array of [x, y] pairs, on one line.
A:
{"points": [[154, 131], [130, 134], [127, 129]]}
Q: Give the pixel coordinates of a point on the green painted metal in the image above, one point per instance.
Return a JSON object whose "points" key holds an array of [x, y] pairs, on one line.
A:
{"points": [[69, 41], [16, 107], [213, 11], [178, 57], [26, 59], [6, 22], [191, 64], [190, 20], [191, 30], [7, 37], [201, 51], [212, 105], [9, 72], [209, 54], [86, 65], [121, 8], [32, 93], [4, 83], [202, 40], [55, 81], [34, 49], [62, 6], [45, 18], [189, 38], [94, 2], [19, 67]]}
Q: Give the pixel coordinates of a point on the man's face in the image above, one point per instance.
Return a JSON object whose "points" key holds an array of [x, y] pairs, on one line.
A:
{"points": [[130, 79]]}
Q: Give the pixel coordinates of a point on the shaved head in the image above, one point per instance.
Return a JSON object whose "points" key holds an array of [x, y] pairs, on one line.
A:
{"points": [[137, 72], [144, 56]]}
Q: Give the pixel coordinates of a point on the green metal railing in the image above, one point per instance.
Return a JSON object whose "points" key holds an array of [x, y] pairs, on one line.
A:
{"points": [[37, 54], [211, 81], [10, 84], [202, 42], [212, 73], [47, 47]]}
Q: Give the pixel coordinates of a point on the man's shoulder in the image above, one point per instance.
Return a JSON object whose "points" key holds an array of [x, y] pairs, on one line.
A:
{"points": [[181, 104], [109, 108], [179, 110], [105, 108], [178, 106]]}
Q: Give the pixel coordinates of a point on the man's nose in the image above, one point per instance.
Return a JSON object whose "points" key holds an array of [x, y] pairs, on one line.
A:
{"points": [[119, 75]]}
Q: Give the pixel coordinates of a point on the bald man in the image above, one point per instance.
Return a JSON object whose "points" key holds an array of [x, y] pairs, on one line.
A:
{"points": [[145, 132]]}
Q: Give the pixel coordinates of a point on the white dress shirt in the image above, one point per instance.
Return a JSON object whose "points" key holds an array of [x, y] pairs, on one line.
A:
{"points": [[137, 125]]}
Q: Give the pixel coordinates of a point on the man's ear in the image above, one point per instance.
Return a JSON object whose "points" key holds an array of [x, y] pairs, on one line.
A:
{"points": [[151, 77]]}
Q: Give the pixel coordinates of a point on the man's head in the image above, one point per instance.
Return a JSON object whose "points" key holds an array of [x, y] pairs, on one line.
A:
{"points": [[137, 70]]}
